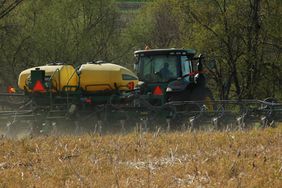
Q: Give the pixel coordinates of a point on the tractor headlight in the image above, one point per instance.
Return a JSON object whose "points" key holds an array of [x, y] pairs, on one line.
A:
{"points": [[168, 89]]}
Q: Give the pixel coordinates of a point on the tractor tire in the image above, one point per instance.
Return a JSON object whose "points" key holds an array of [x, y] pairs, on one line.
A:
{"points": [[203, 94]]}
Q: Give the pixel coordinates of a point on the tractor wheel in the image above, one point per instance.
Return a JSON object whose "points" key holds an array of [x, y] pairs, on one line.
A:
{"points": [[209, 103], [203, 94]]}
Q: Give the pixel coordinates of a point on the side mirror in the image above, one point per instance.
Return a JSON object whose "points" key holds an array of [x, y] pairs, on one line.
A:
{"points": [[201, 62]]}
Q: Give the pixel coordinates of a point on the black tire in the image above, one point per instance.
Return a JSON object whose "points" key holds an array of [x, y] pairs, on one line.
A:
{"points": [[203, 94]]}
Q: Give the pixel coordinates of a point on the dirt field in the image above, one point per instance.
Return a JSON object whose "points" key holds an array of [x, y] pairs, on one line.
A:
{"points": [[200, 159]]}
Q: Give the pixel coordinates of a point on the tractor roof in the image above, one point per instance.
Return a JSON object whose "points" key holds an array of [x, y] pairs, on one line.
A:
{"points": [[166, 51]]}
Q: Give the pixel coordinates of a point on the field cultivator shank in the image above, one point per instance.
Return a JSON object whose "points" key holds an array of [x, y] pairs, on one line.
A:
{"points": [[119, 112], [232, 113]]}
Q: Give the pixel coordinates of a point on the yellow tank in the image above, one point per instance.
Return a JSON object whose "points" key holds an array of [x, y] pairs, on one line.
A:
{"points": [[62, 75], [106, 76]]}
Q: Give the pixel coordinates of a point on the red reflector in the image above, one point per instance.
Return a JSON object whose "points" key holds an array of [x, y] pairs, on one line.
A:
{"points": [[158, 91], [198, 72], [39, 86], [10, 89], [130, 85], [193, 73], [88, 100]]}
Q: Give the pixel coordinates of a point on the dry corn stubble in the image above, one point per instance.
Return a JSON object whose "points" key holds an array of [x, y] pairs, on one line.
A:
{"points": [[212, 159]]}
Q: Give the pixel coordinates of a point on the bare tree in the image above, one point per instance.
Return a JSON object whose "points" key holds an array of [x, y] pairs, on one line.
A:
{"points": [[7, 6]]}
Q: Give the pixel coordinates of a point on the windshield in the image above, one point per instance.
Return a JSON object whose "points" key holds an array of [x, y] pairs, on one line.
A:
{"points": [[158, 68]]}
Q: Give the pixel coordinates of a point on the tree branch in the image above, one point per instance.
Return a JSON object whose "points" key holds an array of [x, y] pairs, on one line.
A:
{"points": [[11, 7]]}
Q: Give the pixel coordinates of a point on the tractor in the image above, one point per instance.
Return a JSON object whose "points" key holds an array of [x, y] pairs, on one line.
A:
{"points": [[172, 75], [175, 78]]}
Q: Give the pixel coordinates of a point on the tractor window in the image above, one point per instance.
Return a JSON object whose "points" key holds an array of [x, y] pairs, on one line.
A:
{"points": [[158, 68], [185, 67]]}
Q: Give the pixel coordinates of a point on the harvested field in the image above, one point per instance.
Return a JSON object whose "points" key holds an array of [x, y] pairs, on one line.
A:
{"points": [[189, 159]]}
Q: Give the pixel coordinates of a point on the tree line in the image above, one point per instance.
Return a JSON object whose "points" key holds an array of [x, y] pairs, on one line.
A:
{"points": [[243, 37]]}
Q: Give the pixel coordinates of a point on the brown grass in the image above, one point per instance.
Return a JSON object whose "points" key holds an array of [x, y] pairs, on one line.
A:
{"points": [[205, 159]]}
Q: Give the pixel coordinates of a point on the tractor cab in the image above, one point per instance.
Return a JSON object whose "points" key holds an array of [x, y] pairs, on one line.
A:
{"points": [[166, 71]]}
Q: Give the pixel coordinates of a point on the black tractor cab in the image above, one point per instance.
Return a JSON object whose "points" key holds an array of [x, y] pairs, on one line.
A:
{"points": [[169, 72]]}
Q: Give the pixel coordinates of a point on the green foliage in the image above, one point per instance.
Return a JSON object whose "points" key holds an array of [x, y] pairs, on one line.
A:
{"points": [[244, 37], [133, 1], [67, 31], [239, 35]]}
